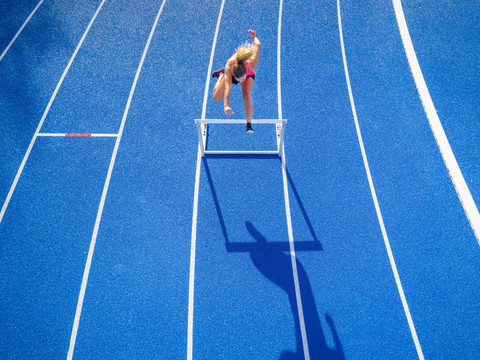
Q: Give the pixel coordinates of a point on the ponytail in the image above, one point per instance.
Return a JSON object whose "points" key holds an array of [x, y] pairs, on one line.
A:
{"points": [[243, 53]]}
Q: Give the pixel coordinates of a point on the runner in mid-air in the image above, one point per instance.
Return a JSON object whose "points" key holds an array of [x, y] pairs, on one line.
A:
{"points": [[240, 68]]}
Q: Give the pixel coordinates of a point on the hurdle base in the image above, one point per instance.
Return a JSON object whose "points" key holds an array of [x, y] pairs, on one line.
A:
{"points": [[241, 152]]}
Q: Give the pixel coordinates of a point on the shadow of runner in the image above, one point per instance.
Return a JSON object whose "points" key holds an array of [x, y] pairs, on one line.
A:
{"points": [[276, 266], [272, 260]]}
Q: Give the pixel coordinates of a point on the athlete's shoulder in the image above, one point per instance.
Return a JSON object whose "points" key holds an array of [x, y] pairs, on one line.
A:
{"points": [[232, 60]]}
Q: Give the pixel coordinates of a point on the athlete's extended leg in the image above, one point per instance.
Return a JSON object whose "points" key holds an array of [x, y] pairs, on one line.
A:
{"points": [[247, 87], [219, 89]]}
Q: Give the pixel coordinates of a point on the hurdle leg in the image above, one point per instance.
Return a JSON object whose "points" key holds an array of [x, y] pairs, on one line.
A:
{"points": [[200, 139], [280, 143]]}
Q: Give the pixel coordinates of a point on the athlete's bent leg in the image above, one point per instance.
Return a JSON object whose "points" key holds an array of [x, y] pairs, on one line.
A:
{"points": [[219, 89]]}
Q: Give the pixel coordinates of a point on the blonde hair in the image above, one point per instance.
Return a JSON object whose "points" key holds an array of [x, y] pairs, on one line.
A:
{"points": [[244, 52]]}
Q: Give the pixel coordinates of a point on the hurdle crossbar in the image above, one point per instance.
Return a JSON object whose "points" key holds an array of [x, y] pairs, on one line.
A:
{"points": [[240, 121], [201, 125]]}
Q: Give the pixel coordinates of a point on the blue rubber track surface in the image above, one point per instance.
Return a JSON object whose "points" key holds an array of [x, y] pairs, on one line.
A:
{"points": [[245, 303]]}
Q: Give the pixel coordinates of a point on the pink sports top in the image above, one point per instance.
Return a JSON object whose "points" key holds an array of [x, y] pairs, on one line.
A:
{"points": [[249, 72]]}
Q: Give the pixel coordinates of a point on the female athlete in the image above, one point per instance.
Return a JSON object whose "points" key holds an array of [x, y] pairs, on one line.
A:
{"points": [[240, 68]]}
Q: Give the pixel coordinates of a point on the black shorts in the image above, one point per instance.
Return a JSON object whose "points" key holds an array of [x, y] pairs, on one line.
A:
{"points": [[235, 82]]}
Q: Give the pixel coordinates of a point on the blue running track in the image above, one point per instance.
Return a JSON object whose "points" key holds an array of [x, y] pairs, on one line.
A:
{"points": [[114, 244]]}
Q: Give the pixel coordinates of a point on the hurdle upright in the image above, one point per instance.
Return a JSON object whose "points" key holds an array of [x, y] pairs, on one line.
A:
{"points": [[201, 125]]}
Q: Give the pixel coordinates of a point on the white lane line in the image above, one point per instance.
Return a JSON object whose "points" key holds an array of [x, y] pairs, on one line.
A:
{"points": [[458, 180], [37, 131], [279, 50], [191, 283], [210, 64], [19, 31], [374, 196], [104, 193], [293, 257]]}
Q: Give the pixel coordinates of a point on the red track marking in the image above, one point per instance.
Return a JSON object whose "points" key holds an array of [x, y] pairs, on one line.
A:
{"points": [[79, 135]]}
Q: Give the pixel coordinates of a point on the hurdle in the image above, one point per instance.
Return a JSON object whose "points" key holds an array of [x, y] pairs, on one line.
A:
{"points": [[202, 124]]}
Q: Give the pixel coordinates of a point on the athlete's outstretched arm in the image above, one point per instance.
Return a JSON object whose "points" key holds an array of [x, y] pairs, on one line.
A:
{"points": [[228, 89], [252, 64]]}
